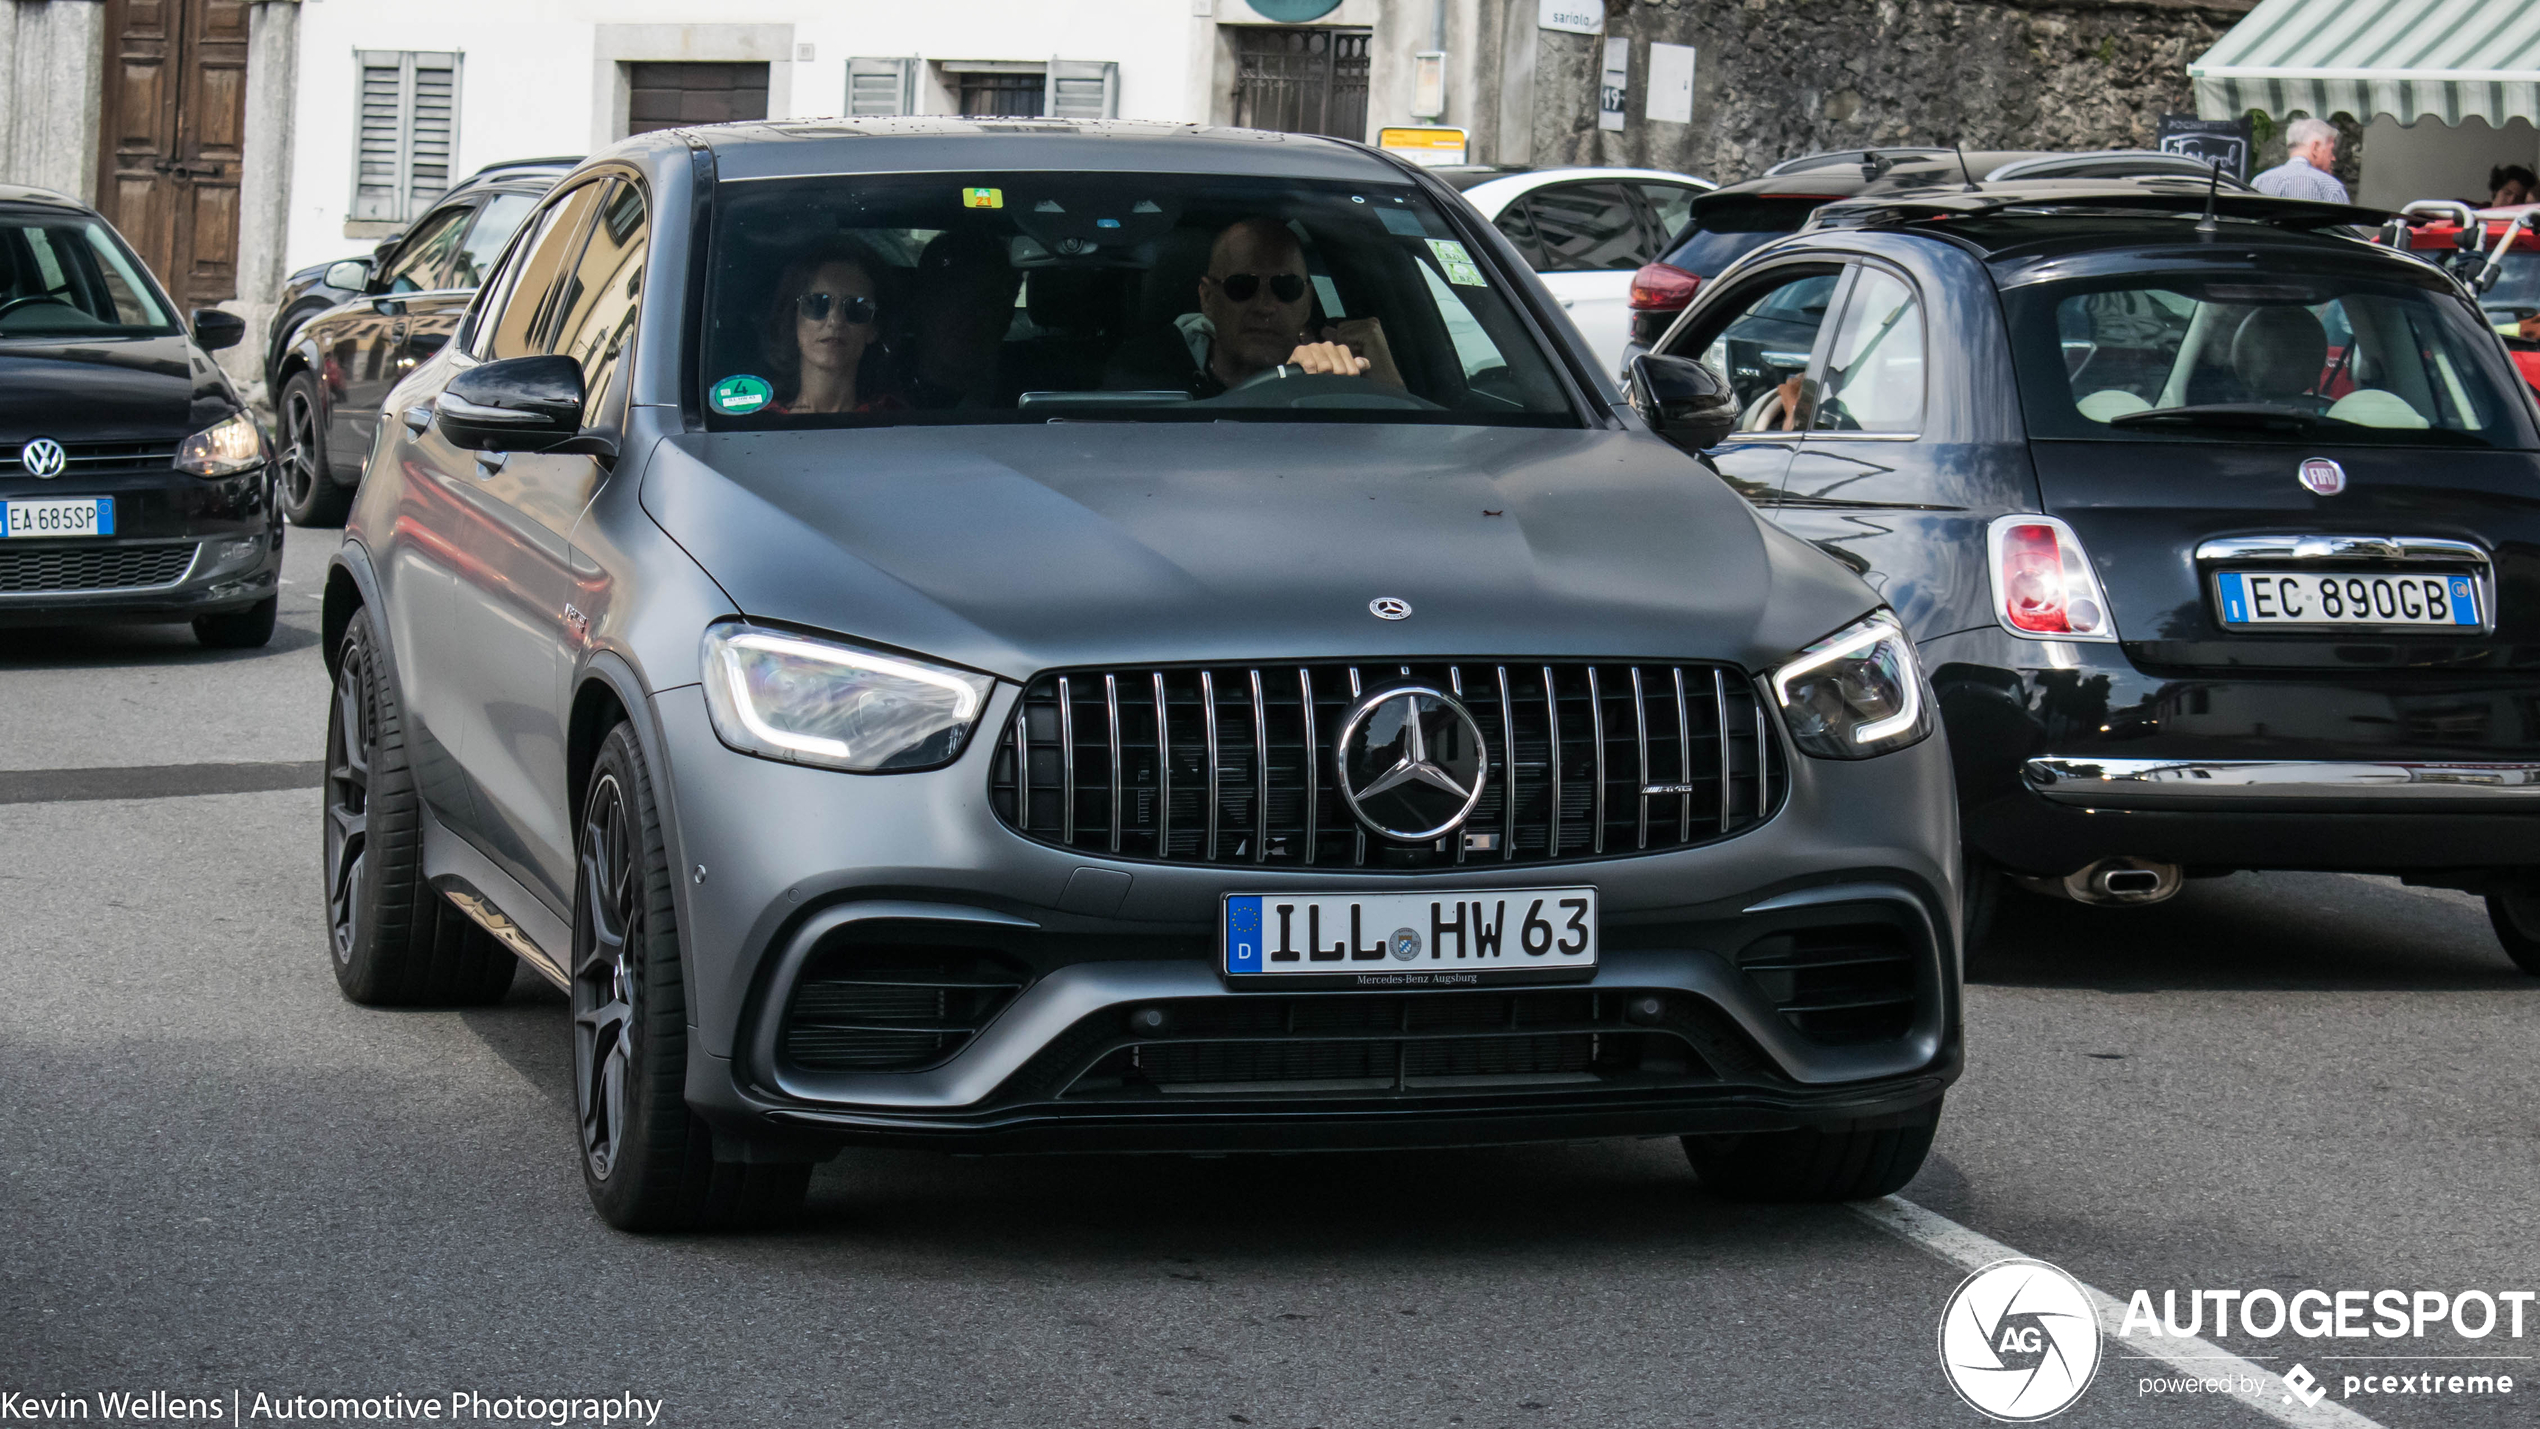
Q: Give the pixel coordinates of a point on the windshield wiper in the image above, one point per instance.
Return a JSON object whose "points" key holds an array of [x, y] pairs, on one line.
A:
{"points": [[2237, 415]]}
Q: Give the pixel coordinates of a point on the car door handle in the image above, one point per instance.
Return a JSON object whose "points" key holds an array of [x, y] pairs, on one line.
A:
{"points": [[417, 417], [488, 463]]}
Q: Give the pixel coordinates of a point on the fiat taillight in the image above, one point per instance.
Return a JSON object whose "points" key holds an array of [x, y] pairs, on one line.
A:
{"points": [[2043, 584]]}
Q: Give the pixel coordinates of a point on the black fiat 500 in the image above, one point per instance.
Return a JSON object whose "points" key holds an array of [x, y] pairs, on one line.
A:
{"points": [[2215, 526], [134, 484], [1021, 635]]}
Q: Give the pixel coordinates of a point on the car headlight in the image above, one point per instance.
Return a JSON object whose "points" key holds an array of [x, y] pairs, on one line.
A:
{"points": [[784, 696], [1856, 693], [233, 445]]}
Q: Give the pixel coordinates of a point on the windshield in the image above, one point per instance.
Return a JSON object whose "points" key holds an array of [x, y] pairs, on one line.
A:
{"points": [[63, 275], [2258, 356], [1031, 297]]}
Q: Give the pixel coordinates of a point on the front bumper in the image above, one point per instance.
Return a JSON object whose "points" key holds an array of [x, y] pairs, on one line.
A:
{"points": [[793, 870], [183, 547]]}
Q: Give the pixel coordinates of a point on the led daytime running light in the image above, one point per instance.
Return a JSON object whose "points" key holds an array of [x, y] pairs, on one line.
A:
{"points": [[1866, 636]]}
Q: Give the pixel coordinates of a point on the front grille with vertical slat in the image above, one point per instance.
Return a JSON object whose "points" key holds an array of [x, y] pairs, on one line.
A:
{"points": [[32, 569], [1234, 764]]}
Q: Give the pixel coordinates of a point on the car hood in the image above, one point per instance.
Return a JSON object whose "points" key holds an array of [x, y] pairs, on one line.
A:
{"points": [[109, 389], [1014, 549]]}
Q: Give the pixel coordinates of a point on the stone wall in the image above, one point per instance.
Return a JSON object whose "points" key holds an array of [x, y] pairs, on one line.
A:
{"points": [[1776, 78]]}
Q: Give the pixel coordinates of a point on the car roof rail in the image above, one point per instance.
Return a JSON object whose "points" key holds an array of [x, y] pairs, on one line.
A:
{"points": [[1848, 158], [2156, 196], [551, 161]]}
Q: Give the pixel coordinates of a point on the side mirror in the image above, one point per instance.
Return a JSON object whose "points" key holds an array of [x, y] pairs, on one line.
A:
{"points": [[1682, 400], [350, 274], [520, 404], [214, 329]]}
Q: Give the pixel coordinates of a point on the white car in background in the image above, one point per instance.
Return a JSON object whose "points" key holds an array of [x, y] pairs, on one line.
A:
{"points": [[1586, 231]]}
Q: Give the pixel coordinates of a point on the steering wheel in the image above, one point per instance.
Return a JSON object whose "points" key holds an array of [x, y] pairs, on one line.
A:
{"points": [[14, 304], [1285, 386], [1765, 413]]}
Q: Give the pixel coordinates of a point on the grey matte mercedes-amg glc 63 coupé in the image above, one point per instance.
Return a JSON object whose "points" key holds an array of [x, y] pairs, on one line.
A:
{"points": [[1016, 636]]}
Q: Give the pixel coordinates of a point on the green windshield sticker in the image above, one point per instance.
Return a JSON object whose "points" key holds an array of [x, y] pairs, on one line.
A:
{"points": [[1457, 264], [737, 396]]}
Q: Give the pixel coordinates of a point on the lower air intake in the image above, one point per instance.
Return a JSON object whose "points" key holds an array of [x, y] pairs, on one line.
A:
{"points": [[1837, 985], [893, 1010]]}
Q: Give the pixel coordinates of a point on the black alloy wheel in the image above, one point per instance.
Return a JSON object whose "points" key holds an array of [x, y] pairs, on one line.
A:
{"points": [[394, 940], [350, 739], [310, 496], [647, 1161], [606, 991]]}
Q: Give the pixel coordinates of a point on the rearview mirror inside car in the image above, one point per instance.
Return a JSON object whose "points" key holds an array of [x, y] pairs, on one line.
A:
{"points": [[350, 274], [519, 404], [214, 329], [1682, 400]]}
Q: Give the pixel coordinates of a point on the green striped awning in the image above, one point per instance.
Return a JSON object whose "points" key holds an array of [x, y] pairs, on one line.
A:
{"points": [[2449, 59]]}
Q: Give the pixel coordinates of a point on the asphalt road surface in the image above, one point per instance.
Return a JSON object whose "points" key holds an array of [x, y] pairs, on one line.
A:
{"points": [[218, 1177]]}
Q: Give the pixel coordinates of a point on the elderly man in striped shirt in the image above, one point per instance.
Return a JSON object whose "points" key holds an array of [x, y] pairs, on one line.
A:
{"points": [[2310, 146]]}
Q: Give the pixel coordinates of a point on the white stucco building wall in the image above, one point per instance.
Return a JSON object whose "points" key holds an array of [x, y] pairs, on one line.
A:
{"points": [[541, 77]]}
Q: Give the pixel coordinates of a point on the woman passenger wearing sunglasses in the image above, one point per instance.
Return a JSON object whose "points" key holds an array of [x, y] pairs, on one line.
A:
{"points": [[825, 320]]}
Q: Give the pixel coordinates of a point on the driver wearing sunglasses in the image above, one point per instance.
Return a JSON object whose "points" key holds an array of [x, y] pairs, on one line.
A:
{"points": [[1254, 302], [825, 323]]}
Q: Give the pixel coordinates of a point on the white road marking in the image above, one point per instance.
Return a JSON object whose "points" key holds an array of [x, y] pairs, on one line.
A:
{"points": [[2200, 1358]]}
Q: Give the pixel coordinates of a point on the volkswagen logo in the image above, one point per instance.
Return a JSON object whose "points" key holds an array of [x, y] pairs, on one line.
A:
{"points": [[41, 457], [1388, 607], [1411, 762], [2323, 476]]}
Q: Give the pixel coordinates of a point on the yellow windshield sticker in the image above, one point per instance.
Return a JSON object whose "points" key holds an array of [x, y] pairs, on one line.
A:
{"points": [[983, 198]]}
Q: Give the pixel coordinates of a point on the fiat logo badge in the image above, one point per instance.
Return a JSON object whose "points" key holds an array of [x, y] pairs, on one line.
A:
{"points": [[1388, 607], [2323, 476], [42, 458]]}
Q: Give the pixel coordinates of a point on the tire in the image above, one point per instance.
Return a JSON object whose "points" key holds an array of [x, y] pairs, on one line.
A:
{"points": [[1979, 897], [647, 1161], [248, 629], [1853, 1162], [2513, 909], [394, 941], [310, 496]]}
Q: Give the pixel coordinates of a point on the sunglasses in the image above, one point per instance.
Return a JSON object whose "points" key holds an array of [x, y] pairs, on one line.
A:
{"points": [[1241, 287], [815, 307]]}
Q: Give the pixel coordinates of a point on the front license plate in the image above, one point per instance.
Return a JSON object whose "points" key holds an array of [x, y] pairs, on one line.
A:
{"points": [[1459, 939], [84, 516], [2272, 598]]}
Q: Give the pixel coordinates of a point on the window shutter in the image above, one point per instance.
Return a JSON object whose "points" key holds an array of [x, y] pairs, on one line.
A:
{"points": [[877, 88], [407, 132], [379, 144], [432, 143], [1082, 89]]}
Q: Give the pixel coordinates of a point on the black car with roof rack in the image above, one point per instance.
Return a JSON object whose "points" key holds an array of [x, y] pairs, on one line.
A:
{"points": [[2215, 525], [381, 315], [1736, 219], [135, 486]]}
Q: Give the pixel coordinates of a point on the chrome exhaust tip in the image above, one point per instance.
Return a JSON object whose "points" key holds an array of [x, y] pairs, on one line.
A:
{"points": [[2122, 882]]}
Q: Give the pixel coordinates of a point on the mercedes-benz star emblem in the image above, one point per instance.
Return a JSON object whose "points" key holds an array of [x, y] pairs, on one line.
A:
{"points": [[1411, 762], [41, 457], [1389, 607]]}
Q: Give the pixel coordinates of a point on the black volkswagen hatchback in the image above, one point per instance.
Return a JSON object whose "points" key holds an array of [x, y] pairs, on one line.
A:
{"points": [[135, 485], [2216, 527]]}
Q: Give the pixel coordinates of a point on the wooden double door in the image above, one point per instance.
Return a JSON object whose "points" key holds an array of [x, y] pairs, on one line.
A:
{"points": [[172, 128]]}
